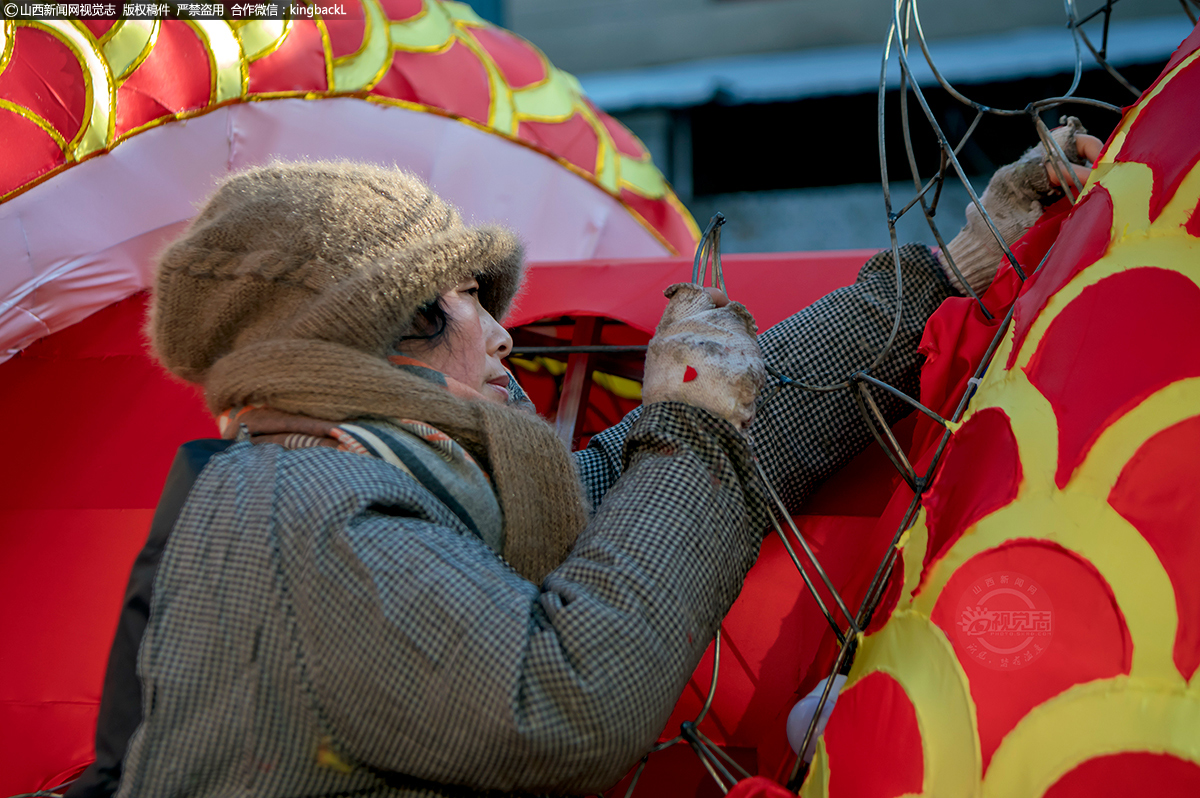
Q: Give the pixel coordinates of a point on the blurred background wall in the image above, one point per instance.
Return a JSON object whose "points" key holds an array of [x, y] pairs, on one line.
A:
{"points": [[767, 109]]}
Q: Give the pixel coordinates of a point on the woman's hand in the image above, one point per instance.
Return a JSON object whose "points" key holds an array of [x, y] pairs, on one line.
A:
{"points": [[1088, 148], [1014, 199], [705, 353]]}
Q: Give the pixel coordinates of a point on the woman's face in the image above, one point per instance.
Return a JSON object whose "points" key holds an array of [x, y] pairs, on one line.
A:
{"points": [[472, 346]]}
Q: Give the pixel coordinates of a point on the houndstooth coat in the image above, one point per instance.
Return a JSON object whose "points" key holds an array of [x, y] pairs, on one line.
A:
{"points": [[322, 624]]}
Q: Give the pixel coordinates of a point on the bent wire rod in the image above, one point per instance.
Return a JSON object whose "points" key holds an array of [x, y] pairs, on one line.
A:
{"points": [[875, 590], [786, 380], [713, 758], [710, 248], [712, 692], [707, 705], [1101, 55], [858, 381], [812, 589], [943, 141], [782, 509], [901, 395], [848, 646], [927, 210], [720, 752], [894, 451], [1068, 181], [637, 774], [948, 154], [708, 700]]}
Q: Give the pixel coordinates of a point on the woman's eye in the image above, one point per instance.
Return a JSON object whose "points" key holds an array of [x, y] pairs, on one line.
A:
{"points": [[472, 291]]}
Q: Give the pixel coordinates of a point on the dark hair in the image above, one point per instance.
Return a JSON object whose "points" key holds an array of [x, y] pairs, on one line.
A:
{"points": [[431, 323]]}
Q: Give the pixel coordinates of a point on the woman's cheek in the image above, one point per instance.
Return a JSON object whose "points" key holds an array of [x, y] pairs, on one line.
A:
{"points": [[472, 353]]}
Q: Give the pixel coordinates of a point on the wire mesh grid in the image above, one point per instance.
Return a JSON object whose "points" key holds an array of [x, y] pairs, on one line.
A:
{"points": [[905, 38]]}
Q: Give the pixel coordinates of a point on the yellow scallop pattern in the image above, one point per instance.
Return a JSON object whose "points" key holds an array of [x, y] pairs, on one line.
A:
{"points": [[1154, 708]]}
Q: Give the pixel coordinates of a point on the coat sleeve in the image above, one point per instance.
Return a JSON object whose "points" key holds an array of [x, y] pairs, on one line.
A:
{"points": [[432, 661], [802, 438]]}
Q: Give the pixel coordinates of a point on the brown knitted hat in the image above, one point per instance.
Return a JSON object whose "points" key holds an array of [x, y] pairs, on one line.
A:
{"points": [[339, 252]]}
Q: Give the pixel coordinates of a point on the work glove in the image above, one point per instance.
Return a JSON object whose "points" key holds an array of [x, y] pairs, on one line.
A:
{"points": [[1014, 198], [705, 355]]}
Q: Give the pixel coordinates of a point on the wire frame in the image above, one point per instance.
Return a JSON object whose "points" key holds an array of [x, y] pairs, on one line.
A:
{"points": [[905, 40]]}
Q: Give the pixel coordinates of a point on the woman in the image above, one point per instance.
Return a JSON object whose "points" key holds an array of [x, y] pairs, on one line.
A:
{"points": [[407, 596]]}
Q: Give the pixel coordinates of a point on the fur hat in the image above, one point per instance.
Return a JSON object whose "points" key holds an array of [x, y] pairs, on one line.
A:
{"points": [[339, 252]]}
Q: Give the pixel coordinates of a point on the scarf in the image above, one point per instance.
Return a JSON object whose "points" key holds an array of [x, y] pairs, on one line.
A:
{"points": [[533, 473]]}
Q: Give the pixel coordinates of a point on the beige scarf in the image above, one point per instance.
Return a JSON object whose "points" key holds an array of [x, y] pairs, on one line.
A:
{"points": [[533, 473]]}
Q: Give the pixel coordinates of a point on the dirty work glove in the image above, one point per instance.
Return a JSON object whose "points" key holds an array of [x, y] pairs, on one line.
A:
{"points": [[1014, 199], [705, 355]]}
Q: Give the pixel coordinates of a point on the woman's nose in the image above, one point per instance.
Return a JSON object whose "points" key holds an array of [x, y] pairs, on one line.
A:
{"points": [[499, 341]]}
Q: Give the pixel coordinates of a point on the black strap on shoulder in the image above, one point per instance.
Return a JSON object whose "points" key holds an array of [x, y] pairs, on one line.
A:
{"points": [[121, 700]]}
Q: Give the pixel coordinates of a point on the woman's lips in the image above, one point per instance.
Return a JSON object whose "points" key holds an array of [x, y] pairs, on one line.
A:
{"points": [[500, 385]]}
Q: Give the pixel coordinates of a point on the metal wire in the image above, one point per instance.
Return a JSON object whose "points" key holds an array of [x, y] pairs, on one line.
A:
{"points": [[875, 422], [904, 31], [710, 248], [1188, 9], [1101, 54], [720, 752], [816, 564], [833, 624], [705, 750], [875, 591], [637, 775]]}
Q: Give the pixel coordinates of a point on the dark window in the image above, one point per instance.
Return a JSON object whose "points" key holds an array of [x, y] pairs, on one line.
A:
{"points": [[833, 140]]}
